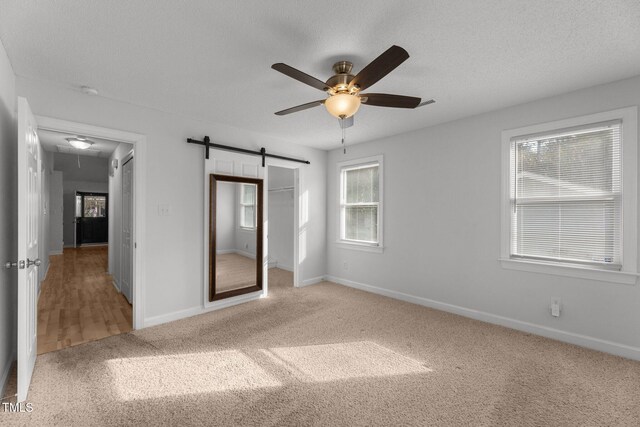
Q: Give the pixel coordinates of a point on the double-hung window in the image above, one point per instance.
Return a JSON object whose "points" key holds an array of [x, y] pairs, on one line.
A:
{"points": [[361, 202], [248, 206], [567, 192]]}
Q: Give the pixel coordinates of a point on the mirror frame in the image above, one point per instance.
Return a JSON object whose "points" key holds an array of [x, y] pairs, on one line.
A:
{"points": [[213, 181]]}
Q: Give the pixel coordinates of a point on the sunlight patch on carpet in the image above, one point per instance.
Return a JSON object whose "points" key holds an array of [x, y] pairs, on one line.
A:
{"points": [[182, 374], [341, 361]]}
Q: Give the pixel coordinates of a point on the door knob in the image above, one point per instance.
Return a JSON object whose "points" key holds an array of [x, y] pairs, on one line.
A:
{"points": [[9, 264], [35, 262]]}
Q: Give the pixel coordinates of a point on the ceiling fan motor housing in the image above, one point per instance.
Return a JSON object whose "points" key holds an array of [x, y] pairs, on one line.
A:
{"points": [[340, 81]]}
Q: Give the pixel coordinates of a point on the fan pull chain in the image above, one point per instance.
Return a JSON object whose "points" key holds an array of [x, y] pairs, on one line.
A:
{"points": [[344, 135]]}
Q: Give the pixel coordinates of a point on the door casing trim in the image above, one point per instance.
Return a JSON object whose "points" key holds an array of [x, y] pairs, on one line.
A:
{"points": [[139, 142]]}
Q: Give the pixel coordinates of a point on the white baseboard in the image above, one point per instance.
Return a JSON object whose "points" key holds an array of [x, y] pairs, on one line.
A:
{"points": [[245, 254], [170, 317], [236, 251], [52, 253], [4, 379], [194, 311], [311, 281], [225, 251], [85, 245], [46, 273], [605, 346], [116, 285]]}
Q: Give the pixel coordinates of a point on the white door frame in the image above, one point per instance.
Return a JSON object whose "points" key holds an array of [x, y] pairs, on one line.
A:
{"points": [[139, 142]]}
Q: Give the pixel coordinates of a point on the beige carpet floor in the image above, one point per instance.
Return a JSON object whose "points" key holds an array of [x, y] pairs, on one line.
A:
{"points": [[328, 355]]}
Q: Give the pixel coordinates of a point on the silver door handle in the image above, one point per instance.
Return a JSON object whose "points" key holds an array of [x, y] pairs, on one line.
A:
{"points": [[35, 262], [9, 264]]}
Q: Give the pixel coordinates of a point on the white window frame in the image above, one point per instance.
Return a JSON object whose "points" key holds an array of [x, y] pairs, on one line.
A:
{"points": [[628, 273], [355, 164], [242, 206]]}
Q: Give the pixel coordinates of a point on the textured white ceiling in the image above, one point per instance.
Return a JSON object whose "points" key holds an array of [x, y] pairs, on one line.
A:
{"points": [[211, 60]]}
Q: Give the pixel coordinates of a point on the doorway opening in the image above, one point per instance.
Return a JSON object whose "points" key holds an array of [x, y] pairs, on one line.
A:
{"points": [[281, 219], [81, 298]]}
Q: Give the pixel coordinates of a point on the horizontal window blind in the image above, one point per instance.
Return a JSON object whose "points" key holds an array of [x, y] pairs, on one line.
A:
{"points": [[566, 195], [360, 200], [248, 206]]}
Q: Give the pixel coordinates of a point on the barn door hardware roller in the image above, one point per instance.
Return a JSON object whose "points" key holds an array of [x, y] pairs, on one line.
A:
{"points": [[262, 153]]}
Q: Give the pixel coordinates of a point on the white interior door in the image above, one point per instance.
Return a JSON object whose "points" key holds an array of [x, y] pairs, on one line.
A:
{"points": [[127, 226], [28, 224]]}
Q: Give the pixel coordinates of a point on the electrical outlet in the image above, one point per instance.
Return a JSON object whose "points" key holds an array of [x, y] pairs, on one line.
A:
{"points": [[246, 246], [555, 306]]}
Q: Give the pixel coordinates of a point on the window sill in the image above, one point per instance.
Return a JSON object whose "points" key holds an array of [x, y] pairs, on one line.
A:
{"points": [[622, 277], [359, 246]]}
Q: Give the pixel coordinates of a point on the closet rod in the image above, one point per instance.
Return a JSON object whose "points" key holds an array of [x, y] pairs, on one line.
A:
{"points": [[263, 152]]}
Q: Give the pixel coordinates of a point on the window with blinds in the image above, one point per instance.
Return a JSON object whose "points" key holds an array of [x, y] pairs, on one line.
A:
{"points": [[248, 206], [566, 195], [360, 203]]}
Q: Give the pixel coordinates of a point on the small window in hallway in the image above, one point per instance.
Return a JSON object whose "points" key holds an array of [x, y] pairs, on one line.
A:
{"points": [[95, 206]]}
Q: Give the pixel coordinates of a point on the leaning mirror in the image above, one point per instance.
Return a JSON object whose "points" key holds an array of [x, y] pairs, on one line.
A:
{"points": [[235, 236]]}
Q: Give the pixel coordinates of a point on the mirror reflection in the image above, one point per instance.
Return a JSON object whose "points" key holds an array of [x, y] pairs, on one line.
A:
{"points": [[237, 236]]}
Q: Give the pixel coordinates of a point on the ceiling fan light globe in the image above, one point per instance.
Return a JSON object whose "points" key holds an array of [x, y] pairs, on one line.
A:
{"points": [[342, 105]]}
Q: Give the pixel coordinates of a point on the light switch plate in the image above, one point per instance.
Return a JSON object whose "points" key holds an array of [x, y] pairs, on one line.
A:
{"points": [[555, 306], [164, 210]]}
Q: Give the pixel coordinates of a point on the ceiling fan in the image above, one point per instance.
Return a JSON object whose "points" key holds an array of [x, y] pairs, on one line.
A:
{"points": [[344, 89]]}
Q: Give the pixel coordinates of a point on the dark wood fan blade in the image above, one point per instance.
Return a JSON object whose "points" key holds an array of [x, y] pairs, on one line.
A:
{"points": [[300, 108], [380, 67], [300, 76], [387, 100]]}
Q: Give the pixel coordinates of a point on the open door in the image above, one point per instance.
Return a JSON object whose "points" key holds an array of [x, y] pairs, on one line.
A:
{"points": [[28, 225]]}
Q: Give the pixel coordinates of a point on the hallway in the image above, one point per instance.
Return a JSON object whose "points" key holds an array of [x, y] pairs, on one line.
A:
{"points": [[78, 302]]}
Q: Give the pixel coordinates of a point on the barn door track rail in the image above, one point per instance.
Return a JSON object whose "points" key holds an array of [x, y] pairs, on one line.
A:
{"points": [[262, 153]]}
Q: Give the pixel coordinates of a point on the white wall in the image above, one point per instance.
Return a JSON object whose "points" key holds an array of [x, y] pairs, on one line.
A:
{"points": [[69, 189], [225, 217], [8, 215], [55, 211], [281, 217], [174, 272], [442, 228]]}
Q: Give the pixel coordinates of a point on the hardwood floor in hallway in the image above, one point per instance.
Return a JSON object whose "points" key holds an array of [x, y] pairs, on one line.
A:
{"points": [[78, 302]]}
